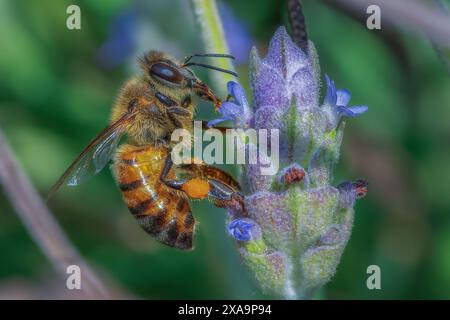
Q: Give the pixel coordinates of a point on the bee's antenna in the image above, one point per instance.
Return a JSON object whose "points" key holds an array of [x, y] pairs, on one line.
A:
{"points": [[210, 67], [210, 55]]}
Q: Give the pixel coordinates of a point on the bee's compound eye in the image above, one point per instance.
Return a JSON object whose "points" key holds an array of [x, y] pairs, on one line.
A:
{"points": [[166, 72]]}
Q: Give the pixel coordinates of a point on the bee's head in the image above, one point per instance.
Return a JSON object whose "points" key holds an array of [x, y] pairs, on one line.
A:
{"points": [[165, 73]]}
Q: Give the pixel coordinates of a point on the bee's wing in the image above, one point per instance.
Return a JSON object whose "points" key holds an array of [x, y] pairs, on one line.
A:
{"points": [[94, 157]]}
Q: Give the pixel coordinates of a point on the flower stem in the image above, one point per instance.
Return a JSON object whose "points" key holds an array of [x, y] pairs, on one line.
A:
{"points": [[208, 19], [43, 227]]}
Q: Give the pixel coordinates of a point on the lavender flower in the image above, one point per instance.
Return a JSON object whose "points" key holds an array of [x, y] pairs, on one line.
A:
{"points": [[336, 102], [237, 111], [296, 224]]}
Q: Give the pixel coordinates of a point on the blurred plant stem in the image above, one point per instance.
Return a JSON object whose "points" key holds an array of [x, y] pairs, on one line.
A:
{"points": [[410, 14], [43, 228], [298, 25], [208, 20], [391, 36], [444, 53]]}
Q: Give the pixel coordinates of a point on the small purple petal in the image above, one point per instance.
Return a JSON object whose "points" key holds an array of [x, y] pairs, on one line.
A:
{"points": [[331, 95], [231, 109], [218, 120], [237, 111], [343, 97], [237, 92], [240, 229], [357, 110], [337, 101], [351, 111]]}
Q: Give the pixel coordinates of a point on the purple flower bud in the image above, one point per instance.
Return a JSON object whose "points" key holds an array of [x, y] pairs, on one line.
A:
{"points": [[285, 73]]}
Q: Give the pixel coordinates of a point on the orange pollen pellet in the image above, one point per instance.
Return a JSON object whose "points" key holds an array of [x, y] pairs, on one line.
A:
{"points": [[196, 188]]}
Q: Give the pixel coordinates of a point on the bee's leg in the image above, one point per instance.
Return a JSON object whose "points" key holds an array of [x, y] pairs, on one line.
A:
{"points": [[226, 197], [174, 184], [179, 111], [172, 107], [207, 181], [194, 188]]}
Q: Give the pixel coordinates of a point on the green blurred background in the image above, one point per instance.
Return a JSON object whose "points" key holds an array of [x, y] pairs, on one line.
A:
{"points": [[56, 90]]}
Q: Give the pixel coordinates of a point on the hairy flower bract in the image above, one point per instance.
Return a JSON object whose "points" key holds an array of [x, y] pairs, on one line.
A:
{"points": [[296, 223]]}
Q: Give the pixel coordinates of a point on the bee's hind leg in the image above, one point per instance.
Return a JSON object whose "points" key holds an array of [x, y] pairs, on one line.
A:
{"points": [[223, 193], [174, 184], [226, 197]]}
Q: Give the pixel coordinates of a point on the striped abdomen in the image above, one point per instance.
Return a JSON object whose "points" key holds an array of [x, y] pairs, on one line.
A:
{"points": [[162, 213]]}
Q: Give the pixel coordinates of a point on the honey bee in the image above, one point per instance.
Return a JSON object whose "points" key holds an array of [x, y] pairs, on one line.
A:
{"points": [[148, 109]]}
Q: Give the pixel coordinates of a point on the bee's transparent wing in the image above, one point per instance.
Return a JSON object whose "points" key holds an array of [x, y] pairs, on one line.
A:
{"points": [[94, 160], [94, 157]]}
